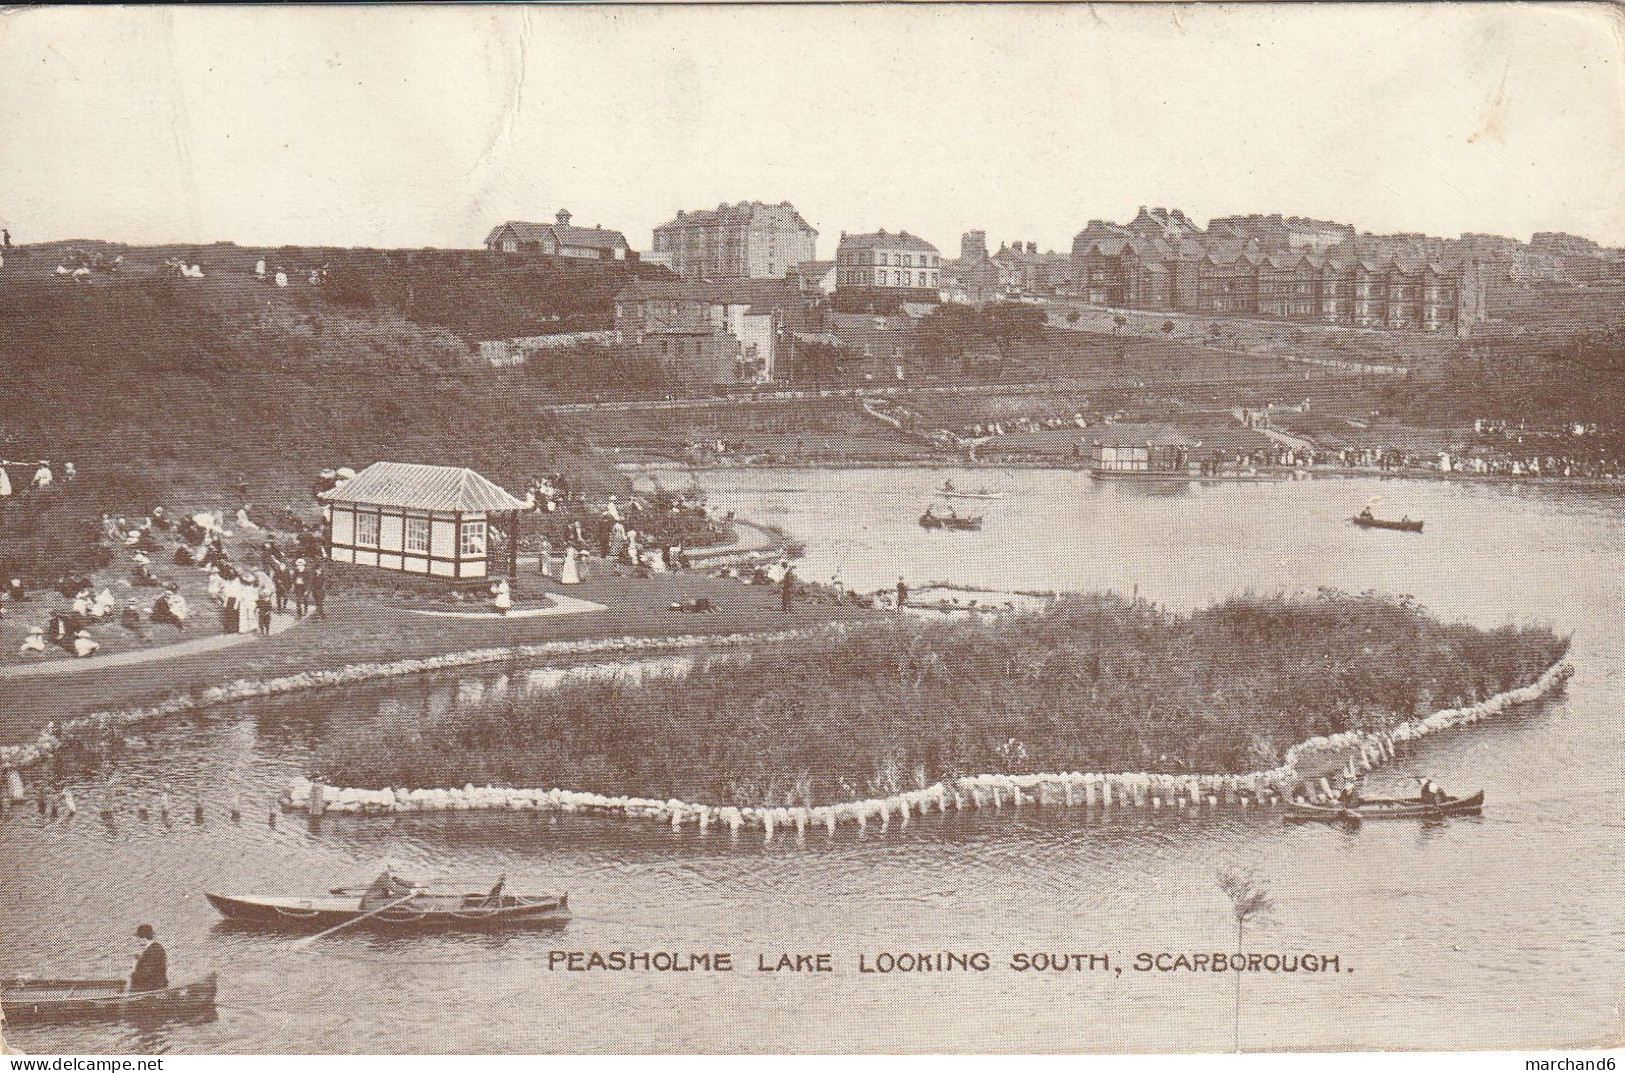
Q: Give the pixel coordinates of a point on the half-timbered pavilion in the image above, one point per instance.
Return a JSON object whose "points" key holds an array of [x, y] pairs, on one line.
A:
{"points": [[443, 521]]}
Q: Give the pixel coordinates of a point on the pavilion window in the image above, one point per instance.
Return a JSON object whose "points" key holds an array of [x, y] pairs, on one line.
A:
{"points": [[366, 530], [471, 541], [417, 534]]}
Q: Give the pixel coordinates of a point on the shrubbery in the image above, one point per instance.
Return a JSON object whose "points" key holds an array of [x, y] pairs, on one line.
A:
{"points": [[1096, 683]]}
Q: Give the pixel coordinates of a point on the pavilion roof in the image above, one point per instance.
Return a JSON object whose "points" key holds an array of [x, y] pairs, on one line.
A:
{"points": [[419, 487]]}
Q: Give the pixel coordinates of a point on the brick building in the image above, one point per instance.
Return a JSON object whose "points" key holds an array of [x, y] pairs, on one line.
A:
{"points": [[1270, 266], [748, 240], [558, 239], [881, 264], [723, 333]]}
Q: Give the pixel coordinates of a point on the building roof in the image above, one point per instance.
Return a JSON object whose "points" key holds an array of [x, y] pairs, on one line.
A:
{"points": [[813, 271], [743, 212], [594, 238], [882, 240], [597, 238], [439, 488], [1138, 435]]}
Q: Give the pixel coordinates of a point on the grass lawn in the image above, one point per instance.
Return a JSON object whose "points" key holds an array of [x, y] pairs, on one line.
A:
{"points": [[359, 630]]}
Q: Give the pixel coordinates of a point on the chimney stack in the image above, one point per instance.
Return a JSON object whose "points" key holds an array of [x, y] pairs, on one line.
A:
{"points": [[563, 217]]}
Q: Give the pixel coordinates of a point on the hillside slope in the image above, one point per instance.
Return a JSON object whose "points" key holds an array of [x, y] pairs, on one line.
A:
{"points": [[473, 294], [190, 386]]}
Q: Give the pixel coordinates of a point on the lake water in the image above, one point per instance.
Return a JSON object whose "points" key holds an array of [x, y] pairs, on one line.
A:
{"points": [[1499, 931]]}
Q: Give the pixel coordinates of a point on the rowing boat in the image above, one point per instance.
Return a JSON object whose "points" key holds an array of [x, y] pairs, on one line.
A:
{"points": [[929, 520], [1389, 808], [57, 1001], [1404, 525], [948, 491], [426, 911]]}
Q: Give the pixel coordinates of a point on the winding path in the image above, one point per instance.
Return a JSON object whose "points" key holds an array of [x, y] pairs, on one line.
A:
{"points": [[125, 659]]}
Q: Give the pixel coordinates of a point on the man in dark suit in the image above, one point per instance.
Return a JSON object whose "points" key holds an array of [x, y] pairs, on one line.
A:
{"points": [[151, 965]]}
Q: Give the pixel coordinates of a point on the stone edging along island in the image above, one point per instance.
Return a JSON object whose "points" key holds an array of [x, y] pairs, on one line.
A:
{"points": [[1360, 751], [100, 725]]}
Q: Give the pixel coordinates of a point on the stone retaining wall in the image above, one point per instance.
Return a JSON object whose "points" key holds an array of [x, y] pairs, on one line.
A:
{"points": [[1075, 789]]}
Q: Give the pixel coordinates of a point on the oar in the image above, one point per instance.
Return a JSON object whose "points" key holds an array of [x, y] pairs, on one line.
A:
{"points": [[303, 943]]}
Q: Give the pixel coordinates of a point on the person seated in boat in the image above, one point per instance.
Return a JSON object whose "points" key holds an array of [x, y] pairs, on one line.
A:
{"points": [[385, 889], [151, 972], [1430, 793], [1366, 513], [495, 897], [1349, 797], [948, 486]]}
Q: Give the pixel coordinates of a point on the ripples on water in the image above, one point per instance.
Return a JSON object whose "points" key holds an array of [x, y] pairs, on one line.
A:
{"points": [[1499, 931]]}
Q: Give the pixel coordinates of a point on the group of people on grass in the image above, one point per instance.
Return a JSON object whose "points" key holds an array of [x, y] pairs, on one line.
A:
{"points": [[43, 477], [248, 598]]}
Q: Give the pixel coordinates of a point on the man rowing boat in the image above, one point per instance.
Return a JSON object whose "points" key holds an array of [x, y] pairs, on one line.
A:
{"points": [[385, 889], [1431, 793]]}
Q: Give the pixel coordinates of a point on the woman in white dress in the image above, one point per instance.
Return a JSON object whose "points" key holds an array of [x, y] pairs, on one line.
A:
{"points": [[248, 598], [503, 596], [544, 558], [571, 575]]}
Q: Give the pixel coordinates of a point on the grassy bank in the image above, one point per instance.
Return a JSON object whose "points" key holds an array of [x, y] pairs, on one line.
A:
{"points": [[209, 393], [1096, 683], [358, 629]]}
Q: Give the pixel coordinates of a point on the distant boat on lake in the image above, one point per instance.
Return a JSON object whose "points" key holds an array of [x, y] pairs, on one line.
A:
{"points": [[1366, 520], [952, 520]]}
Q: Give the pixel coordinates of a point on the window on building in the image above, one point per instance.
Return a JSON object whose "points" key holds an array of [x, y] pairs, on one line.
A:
{"points": [[366, 530], [471, 540], [417, 534]]}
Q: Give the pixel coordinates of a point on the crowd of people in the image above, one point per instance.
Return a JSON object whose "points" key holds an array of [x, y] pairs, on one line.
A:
{"points": [[249, 597]]}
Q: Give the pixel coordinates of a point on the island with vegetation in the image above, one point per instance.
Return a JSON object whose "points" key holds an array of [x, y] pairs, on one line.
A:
{"points": [[1092, 683]]}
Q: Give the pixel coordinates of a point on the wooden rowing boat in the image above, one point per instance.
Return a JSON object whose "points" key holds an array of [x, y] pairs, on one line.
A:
{"points": [[1389, 808], [58, 1001], [427, 911], [961, 523], [948, 491], [1404, 525]]}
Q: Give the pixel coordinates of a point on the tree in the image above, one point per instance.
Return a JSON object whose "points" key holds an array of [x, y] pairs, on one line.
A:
{"points": [[943, 335], [1004, 324], [819, 362], [1249, 900]]}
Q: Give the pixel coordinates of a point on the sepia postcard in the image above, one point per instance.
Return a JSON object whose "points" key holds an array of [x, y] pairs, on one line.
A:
{"points": [[790, 529]]}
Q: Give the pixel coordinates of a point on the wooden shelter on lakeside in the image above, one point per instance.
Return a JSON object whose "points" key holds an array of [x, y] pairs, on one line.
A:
{"points": [[434, 520]]}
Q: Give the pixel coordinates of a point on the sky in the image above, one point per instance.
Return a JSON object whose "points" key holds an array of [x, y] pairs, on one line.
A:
{"points": [[424, 126]]}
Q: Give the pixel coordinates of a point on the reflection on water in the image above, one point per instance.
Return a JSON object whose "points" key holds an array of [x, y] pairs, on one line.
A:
{"points": [[1493, 931]]}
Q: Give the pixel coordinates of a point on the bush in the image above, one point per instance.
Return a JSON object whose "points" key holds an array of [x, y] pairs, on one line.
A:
{"points": [[45, 535]]}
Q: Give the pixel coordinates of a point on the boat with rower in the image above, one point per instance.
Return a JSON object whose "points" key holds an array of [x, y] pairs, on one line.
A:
{"points": [[1388, 808], [28, 1001], [419, 911], [951, 520], [1365, 520], [948, 491]]}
